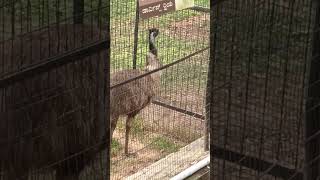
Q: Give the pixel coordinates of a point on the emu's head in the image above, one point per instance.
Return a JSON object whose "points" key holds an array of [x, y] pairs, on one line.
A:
{"points": [[152, 59], [153, 33]]}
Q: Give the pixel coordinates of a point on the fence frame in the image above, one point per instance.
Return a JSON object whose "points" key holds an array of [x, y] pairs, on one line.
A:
{"points": [[312, 126], [311, 169], [74, 55]]}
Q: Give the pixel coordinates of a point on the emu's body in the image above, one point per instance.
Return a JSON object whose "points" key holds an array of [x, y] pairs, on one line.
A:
{"points": [[39, 127], [129, 99]]}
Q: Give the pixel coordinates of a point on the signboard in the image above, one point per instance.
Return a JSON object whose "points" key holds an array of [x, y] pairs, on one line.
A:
{"points": [[151, 8]]}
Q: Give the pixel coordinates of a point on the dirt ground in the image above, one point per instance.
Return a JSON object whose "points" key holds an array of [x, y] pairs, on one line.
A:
{"points": [[193, 28], [158, 121], [155, 125], [258, 115], [174, 163]]}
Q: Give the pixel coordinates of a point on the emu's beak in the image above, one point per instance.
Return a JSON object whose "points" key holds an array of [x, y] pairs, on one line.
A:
{"points": [[155, 30]]}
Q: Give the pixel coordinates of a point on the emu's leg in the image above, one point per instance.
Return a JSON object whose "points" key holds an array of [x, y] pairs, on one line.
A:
{"points": [[128, 127], [114, 121]]}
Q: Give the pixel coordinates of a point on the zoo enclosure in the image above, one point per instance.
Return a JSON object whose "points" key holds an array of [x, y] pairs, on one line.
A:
{"points": [[176, 116], [240, 47], [263, 119], [53, 88]]}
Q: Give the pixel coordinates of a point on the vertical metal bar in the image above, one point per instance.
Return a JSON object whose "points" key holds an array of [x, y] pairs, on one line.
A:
{"points": [[103, 102], [209, 100], [303, 87], [266, 82], [58, 22], [58, 11], [284, 81], [106, 104], [78, 11], [48, 29], [136, 36], [229, 77], [214, 18], [99, 15], [29, 17], [312, 124], [210, 80], [13, 14]]}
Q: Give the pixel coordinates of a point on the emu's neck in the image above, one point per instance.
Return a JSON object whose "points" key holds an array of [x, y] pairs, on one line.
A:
{"points": [[152, 65], [152, 46]]}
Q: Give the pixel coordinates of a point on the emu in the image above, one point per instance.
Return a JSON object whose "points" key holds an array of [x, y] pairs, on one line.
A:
{"points": [[129, 99], [48, 119]]}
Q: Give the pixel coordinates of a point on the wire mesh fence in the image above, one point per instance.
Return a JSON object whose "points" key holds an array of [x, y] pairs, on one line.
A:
{"points": [[312, 103], [175, 116], [53, 89], [261, 53]]}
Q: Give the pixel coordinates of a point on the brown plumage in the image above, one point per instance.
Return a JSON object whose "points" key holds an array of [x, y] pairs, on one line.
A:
{"points": [[40, 124], [129, 99]]}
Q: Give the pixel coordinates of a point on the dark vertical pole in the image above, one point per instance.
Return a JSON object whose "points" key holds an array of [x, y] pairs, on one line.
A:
{"points": [[58, 11], [208, 103], [107, 73], [312, 124], [29, 19], [78, 11], [100, 15], [13, 14], [210, 81], [136, 36], [214, 15], [103, 109]]}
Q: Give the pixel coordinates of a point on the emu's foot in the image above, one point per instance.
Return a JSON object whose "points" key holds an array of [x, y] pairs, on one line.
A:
{"points": [[131, 154]]}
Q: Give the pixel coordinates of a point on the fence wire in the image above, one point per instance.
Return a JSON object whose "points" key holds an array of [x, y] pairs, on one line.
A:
{"points": [[53, 89], [175, 117], [261, 49]]}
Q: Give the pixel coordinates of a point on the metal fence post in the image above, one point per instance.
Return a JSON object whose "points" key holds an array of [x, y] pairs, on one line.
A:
{"points": [[210, 81], [312, 124], [13, 15], [136, 36], [78, 11]]}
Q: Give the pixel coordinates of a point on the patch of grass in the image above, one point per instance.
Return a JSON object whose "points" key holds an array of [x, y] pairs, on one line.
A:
{"points": [[137, 127], [197, 73], [115, 147], [121, 125], [164, 144], [204, 3], [171, 47], [186, 135]]}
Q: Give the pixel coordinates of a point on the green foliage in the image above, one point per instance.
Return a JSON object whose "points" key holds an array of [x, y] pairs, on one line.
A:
{"points": [[171, 47], [137, 126], [164, 144], [204, 3], [115, 147]]}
